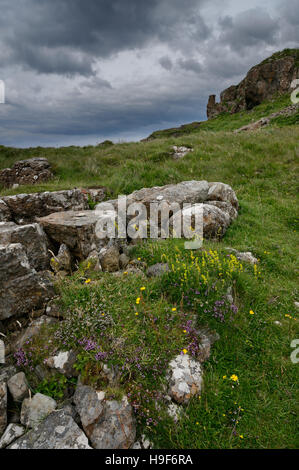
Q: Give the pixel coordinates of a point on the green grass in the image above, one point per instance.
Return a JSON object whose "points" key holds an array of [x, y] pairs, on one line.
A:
{"points": [[263, 170]]}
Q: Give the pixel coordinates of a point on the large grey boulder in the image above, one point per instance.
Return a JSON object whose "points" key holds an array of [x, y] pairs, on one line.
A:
{"points": [[109, 259], [12, 432], [35, 409], [184, 378], [32, 238], [18, 387], [22, 289], [3, 407], [57, 431], [157, 269], [109, 424], [222, 192]]}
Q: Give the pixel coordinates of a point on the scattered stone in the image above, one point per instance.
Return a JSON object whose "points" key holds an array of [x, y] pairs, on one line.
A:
{"points": [[180, 152], [93, 262], [157, 270], [108, 424], [53, 310], [36, 409], [12, 432], [296, 304], [33, 171], [2, 352], [57, 431], [109, 259], [3, 407], [207, 339], [254, 125], [143, 443], [32, 238], [64, 363], [22, 289], [63, 260], [185, 378], [246, 256], [123, 261], [278, 323], [18, 387], [175, 411]]}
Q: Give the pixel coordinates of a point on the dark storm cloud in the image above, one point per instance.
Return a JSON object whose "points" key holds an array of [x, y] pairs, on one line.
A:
{"points": [[46, 35], [249, 28], [190, 65], [166, 63]]}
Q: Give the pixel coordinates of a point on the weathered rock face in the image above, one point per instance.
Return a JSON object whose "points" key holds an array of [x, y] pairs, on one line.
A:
{"points": [[57, 431], [63, 260], [263, 82], [22, 289], [33, 329], [32, 238], [33, 171], [108, 424], [180, 152]]}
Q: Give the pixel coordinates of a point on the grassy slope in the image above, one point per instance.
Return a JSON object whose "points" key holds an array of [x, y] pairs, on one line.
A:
{"points": [[262, 168]]}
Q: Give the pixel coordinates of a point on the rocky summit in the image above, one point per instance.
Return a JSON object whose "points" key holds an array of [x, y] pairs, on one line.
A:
{"points": [[272, 77]]}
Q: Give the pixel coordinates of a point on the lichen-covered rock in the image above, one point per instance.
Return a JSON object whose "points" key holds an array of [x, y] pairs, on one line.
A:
{"points": [[109, 424], [22, 289], [32, 238], [3, 407], [184, 378], [35, 409], [12, 432], [18, 387], [57, 431], [63, 362], [32, 171]]}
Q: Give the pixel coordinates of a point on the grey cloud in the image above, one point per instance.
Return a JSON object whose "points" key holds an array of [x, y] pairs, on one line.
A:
{"points": [[166, 63], [97, 28], [190, 65], [250, 28]]}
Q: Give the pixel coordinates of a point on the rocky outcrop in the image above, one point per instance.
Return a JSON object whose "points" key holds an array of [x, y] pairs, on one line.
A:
{"points": [[32, 171], [35, 409], [185, 378], [273, 76]]}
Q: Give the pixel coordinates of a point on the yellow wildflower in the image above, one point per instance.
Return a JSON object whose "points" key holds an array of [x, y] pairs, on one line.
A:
{"points": [[173, 309], [138, 300], [87, 281], [185, 351], [234, 377], [142, 288], [251, 312]]}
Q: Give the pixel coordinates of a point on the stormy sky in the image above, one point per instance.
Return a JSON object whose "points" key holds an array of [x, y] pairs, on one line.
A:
{"points": [[77, 72]]}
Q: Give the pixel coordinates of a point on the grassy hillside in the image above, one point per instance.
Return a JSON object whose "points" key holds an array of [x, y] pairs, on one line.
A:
{"points": [[259, 409]]}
